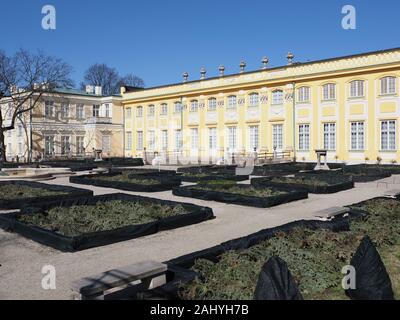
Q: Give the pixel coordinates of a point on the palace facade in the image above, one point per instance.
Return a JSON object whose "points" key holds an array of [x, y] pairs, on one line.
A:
{"points": [[347, 105]]}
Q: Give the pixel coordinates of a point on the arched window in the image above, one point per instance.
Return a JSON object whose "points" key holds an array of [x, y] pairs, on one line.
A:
{"points": [[232, 102], [303, 94], [329, 91], [277, 97], [178, 107], [164, 109], [212, 104], [194, 106], [139, 112], [357, 89], [388, 85], [254, 99]]}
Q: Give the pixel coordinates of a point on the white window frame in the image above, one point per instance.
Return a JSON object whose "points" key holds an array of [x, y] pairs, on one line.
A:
{"points": [[48, 109], [80, 145], [65, 110], [49, 145], [357, 135], [164, 139], [139, 137], [151, 111], [129, 140], [329, 91], [213, 139], [80, 111], [107, 110], [96, 111], [178, 140], [194, 106], [254, 138], [303, 94], [277, 136], [212, 104], [65, 145], [194, 138], [232, 102], [254, 99], [388, 85], [151, 140], [329, 136], [178, 107], [164, 109], [304, 137], [388, 135], [232, 139], [357, 89], [277, 97], [139, 112]]}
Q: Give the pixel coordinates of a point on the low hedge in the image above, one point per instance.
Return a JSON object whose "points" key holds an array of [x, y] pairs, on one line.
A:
{"points": [[210, 169], [313, 184], [27, 193], [25, 222], [206, 177], [222, 194], [315, 252], [119, 161], [76, 166], [285, 169], [129, 182]]}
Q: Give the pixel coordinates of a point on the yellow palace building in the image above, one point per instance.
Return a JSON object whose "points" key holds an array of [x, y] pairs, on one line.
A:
{"points": [[348, 106]]}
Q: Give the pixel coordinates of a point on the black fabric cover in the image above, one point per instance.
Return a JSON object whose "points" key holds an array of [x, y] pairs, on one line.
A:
{"points": [[71, 193], [372, 279], [337, 184], [215, 177], [276, 282], [9, 222], [166, 183], [259, 202], [212, 169]]}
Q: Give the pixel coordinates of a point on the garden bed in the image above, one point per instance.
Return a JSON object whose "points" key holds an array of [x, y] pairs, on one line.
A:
{"points": [[74, 165], [84, 223], [127, 181], [209, 169], [356, 173], [129, 162], [314, 251], [198, 177], [246, 195], [17, 194], [313, 184], [285, 169]]}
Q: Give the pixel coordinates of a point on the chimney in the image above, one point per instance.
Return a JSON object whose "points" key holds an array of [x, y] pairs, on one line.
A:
{"points": [[242, 66], [203, 73], [185, 77], [89, 89], [98, 91], [265, 61], [221, 70]]}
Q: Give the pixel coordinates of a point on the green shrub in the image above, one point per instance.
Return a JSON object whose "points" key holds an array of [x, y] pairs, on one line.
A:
{"points": [[77, 220], [14, 192], [124, 177]]}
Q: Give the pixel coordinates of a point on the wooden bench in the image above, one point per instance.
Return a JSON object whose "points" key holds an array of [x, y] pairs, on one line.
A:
{"points": [[330, 213], [151, 274]]}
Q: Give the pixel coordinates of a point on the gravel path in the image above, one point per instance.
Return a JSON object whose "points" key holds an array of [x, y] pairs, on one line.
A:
{"points": [[22, 260]]}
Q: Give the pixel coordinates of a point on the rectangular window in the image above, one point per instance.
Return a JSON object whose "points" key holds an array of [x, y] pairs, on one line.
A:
{"points": [[212, 141], [277, 97], [49, 109], [329, 91], [106, 143], [164, 109], [388, 135], [107, 111], [212, 104], [80, 145], [356, 89], [49, 145], [277, 136], [253, 133], [129, 141], [304, 137], [80, 111], [20, 149], [65, 111], [65, 145], [254, 100], [151, 140], [330, 136], [178, 140], [96, 111], [164, 139], [357, 135], [304, 94], [194, 135], [178, 107], [388, 85], [128, 112], [139, 112], [152, 111], [194, 106], [232, 138], [140, 140], [232, 102], [20, 131]]}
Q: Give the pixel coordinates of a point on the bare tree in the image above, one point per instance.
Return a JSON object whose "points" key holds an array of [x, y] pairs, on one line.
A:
{"points": [[24, 79], [109, 79]]}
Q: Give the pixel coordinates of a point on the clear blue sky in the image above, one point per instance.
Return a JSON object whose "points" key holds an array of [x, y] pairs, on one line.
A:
{"points": [[159, 40]]}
